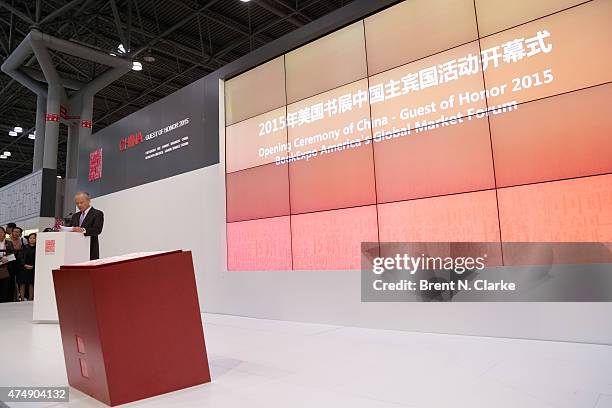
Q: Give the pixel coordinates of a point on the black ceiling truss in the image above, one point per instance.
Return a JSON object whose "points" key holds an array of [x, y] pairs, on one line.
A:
{"points": [[186, 38]]}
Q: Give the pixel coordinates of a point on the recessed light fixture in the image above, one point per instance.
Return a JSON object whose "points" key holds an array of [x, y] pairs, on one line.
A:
{"points": [[7, 154], [245, 1], [32, 136], [120, 50], [148, 56], [18, 129], [59, 177], [12, 133], [137, 66], [2, 156]]}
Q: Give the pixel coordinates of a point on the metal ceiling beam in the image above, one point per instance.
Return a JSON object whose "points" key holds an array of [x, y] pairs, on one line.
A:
{"points": [[4, 45], [76, 84], [178, 45], [38, 10], [294, 9], [32, 59], [11, 39], [71, 65], [196, 53], [107, 40], [39, 76], [16, 12], [59, 11], [227, 22], [173, 28], [238, 43], [118, 25], [274, 10], [146, 92], [26, 110]]}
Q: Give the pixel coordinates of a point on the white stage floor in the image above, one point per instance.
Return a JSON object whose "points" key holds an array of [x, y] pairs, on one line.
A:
{"points": [[266, 363]]}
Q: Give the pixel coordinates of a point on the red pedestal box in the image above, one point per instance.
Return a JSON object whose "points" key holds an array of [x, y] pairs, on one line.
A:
{"points": [[131, 326]]}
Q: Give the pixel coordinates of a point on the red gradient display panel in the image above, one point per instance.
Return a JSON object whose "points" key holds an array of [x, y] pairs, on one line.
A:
{"points": [[321, 121], [407, 98], [256, 141], [577, 210], [259, 90], [497, 15], [451, 159], [445, 133], [332, 239], [333, 180], [470, 217], [249, 198], [573, 45], [415, 29], [566, 136], [263, 244], [342, 53]]}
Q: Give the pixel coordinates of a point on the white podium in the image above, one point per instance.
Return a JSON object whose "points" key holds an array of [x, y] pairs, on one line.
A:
{"points": [[54, 249]]}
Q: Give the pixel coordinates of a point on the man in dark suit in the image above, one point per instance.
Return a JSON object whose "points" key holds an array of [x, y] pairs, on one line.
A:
{"points": [[88, 221]]}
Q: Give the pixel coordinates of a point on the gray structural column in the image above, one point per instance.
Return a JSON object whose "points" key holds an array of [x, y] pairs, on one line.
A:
{"points": [[72, 153], [40, 44], [86, 117], [39, 141], [78, 131], [52, 126]]}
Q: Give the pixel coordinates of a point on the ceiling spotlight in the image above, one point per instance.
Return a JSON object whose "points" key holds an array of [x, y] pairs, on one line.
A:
{"points": [[7, 154], [136, 66], [18, 129], [32, 136], [59, 177], [148, 56], [12, 133], [120, 50], [245, 1], [2, 156]]}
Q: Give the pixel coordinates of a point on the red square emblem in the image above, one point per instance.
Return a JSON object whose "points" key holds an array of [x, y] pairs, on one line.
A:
{"points": [[95, 165], [49, 246]]}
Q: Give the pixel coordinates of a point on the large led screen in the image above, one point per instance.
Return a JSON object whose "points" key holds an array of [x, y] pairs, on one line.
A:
{"points": [[432, 120]]}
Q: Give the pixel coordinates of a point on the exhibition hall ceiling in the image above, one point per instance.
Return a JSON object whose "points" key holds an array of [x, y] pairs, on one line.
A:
{"points": [[176, 41]]}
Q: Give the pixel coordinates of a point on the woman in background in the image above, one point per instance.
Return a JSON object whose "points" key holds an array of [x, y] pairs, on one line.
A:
{"points": [[25, 276], [5, 277], [14, 245]]}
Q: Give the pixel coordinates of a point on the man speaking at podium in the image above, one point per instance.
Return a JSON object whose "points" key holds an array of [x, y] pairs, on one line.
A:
{"points": [[88, 221]]}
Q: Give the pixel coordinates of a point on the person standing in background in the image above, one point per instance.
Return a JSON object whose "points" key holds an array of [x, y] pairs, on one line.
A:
{"points": [[9, 231], [6, 293], [9, 228], [14, 246], [25, 276]]}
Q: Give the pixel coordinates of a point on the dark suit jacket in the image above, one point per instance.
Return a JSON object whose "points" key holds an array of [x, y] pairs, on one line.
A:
{"points": [[15, 266], [93, 223]]}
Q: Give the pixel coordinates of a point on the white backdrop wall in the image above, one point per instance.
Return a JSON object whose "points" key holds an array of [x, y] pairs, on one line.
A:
{"points": [[188, 212]]}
